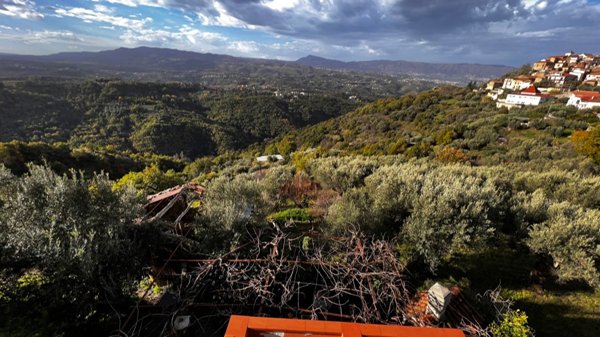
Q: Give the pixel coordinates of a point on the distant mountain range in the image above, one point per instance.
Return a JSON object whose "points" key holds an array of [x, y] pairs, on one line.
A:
{"points": [[177, 64], [458, 71], [141, 59]]}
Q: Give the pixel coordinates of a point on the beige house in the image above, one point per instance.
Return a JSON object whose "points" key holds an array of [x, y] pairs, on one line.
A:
{"points": [[494, 84], [517, 83]]}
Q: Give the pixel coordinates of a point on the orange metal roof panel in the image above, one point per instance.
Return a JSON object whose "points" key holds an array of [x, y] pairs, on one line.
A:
{"points": [[245, 326]]}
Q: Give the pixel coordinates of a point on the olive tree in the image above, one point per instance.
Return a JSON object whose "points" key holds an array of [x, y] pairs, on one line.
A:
{"points": [[571, 237], [342, 174], [231, 203], [455, 210], [438, 210], [76, 234]]}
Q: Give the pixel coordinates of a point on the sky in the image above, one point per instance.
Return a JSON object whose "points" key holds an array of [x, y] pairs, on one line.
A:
{"points": [[509, 32]]}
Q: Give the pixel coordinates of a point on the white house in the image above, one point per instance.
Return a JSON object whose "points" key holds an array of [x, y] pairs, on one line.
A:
{"points": [[593, 76], [560, 79], [586, 57], [580, 73], [530, 96], [269, 158], [584, 99]]}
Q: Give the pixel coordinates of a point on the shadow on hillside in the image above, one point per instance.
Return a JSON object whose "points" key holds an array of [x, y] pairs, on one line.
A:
{"points": [[559, 320]]}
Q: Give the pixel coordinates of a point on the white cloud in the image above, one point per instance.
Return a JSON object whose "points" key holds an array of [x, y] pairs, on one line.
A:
{"points": [[135, 3], [222, 19], [185, 34], [282, 5], [544, 33], [244, 47], [23, 9], [542, 5], [48, 36], [103, 9], [90, 15]]}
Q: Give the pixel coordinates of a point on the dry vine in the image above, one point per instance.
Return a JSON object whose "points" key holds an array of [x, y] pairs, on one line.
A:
{"points": [[350, 278]]}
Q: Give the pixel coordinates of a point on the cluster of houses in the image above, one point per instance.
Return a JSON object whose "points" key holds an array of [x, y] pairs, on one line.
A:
{"points": [[552, 77], [567, 70]]}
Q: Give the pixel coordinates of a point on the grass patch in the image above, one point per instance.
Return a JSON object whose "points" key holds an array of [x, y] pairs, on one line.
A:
{"points": [[554, 311], [527, 133], [560, 313], [297, 215]]}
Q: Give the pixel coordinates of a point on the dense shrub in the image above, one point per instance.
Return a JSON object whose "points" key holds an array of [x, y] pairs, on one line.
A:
{"points": [[149, 181], [69, 241], [233, 203], [439, 211], [513, 324], [571, 236], [342, 174]]}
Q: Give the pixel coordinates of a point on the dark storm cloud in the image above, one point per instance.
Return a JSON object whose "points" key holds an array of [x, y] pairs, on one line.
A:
{"points": [[485, 31], [436, 17], [24, 9], [417, 17]]}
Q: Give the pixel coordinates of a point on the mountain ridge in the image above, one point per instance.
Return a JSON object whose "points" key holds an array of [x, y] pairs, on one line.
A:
{"points": [[453, 70], [166, 59]]}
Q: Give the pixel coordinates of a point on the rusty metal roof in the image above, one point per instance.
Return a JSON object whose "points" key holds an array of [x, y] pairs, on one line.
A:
{"points": [[173, 191]]}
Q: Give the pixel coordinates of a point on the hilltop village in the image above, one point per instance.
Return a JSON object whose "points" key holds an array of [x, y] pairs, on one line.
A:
{"points": [[574, 78]]}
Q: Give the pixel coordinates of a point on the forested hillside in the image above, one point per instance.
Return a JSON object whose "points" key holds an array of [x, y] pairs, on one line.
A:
{"points": [[161, 118], [371, 204], [453, 124]]}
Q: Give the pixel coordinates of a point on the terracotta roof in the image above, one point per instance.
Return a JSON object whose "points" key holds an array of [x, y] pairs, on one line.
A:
{"points": [[588, 96], [460, 311], [579, 93], [532, 90], [591, 99], [416, 309]]}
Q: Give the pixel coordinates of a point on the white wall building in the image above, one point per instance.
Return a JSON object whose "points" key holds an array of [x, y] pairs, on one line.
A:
{"points": [[517, 83], [530, 96], [593, 76], [580, 73], [584, 99]]}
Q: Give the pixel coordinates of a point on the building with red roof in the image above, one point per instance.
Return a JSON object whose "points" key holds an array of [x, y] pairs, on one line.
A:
{"points": [[584, 99], [529, 96]]}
